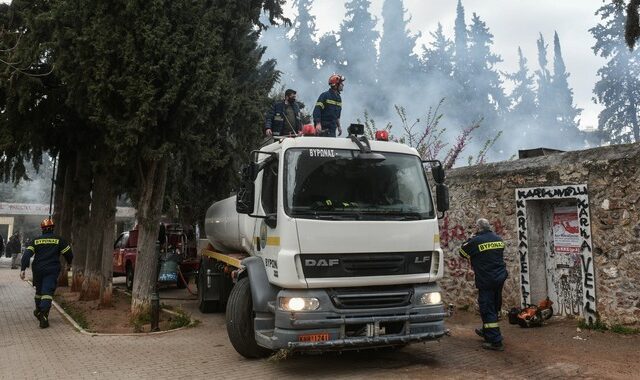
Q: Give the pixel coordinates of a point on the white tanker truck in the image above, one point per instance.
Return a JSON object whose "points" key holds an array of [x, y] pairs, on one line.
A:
{"points": [[330, 244]]}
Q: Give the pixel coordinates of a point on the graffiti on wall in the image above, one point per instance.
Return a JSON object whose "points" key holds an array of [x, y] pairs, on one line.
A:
{"points": [[578, 192]]}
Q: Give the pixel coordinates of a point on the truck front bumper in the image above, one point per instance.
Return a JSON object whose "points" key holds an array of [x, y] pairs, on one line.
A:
{"points": [[331, 328]]}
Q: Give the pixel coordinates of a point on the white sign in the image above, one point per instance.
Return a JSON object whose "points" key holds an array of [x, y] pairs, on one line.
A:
{"points": [[43, 210]]}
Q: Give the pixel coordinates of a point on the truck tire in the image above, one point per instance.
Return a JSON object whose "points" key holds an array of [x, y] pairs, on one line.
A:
{"points": [[240, 322], [203, 305], [129, 277]]}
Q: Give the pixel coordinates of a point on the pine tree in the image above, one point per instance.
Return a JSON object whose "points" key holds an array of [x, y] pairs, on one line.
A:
{"points": [[618, 88], [461, 43], [302, 43], [487, 99], [544, 97], [397, 60], [438, 57], [357, 41], [565, 111], [522, 101]]}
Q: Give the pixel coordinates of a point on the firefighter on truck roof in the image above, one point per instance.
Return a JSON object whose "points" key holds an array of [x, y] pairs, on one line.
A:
{"points": [[326, 113], [46, 250]]}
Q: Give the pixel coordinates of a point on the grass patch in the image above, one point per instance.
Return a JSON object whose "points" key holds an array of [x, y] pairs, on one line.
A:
{"points": [[140, 320], [75, 313], [180, 320], [597, 326], [624, 330]]}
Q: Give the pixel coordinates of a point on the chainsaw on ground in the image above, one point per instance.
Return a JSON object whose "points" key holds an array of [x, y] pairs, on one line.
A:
{"points": [[532, 315]]}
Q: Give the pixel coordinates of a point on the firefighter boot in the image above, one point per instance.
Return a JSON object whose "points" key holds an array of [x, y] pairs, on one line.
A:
{"points": [[498, 346], [480, 333], [36, 313], [44, 319]]}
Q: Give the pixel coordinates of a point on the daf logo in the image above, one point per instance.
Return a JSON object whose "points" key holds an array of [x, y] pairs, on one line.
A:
{"points": [[321, 262]]}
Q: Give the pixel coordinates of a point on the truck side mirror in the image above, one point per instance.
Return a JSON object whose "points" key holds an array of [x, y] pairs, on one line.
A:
{"points": [[438, 174], [245, 198], [250, 172], [442, 197]]}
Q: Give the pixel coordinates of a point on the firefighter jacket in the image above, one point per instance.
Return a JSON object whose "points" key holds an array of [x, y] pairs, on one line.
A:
{"points": [[485, 250], [46, 250], [327, 111], [278, 120]]}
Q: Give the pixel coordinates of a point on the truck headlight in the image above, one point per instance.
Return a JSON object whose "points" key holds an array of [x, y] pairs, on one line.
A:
{"points": [[299, 303], [432, 298]]}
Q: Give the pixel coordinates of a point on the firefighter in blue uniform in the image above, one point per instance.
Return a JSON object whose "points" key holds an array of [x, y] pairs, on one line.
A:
{"points": [[485, 251], [46, 250], [326, 113], [283, 118]]}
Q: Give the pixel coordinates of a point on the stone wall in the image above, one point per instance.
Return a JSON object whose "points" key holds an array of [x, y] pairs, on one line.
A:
{"points": [[610, 219]]}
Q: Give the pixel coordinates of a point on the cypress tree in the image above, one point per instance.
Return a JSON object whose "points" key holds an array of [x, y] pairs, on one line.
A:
{"points": [[618, 89]]}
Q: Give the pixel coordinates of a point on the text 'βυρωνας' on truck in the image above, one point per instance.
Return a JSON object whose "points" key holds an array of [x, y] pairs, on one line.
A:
{"points": [[329, 244]]}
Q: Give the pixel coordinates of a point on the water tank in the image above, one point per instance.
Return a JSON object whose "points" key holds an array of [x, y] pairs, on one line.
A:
{"points": [[222, 227]]}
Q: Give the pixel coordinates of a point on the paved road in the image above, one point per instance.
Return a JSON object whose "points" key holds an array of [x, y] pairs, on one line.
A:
{"points": [[27, 352]]}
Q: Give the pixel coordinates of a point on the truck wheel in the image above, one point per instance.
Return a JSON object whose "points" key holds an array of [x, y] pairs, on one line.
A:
{"points": [[129, 277], [240, 322], [203, 305]]}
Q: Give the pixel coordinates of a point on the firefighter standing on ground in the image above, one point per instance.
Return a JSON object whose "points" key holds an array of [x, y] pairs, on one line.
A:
{"points": [[46, 250], [485, 251], [326, 114], [283, 118]]}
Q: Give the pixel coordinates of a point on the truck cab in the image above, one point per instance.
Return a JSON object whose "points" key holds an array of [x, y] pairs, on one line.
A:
{"points": [[342, 246]]}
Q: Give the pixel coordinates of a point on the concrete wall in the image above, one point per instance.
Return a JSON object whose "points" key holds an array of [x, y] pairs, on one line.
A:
{"points": [[516, 197]]}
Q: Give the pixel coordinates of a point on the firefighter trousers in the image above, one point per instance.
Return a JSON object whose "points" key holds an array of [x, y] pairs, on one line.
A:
{"points": [[490, 303], [45, 284]]}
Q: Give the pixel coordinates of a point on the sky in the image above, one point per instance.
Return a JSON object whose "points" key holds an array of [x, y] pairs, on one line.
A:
{"points": [[513, 23]]}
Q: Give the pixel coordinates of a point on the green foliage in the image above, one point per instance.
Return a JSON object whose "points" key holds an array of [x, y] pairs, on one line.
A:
{"points": [[598, 325], [180, 320], [625, 330], [75, 313], [139, 320]]}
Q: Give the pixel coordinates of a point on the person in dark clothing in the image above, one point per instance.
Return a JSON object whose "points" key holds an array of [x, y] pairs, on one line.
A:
{"points": [[283, 118], [485, 250], [13, 249], [326, 113], [1, 245], [47, 249]]}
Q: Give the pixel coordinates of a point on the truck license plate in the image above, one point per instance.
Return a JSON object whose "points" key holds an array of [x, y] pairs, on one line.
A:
{"points": [[314, 337]]}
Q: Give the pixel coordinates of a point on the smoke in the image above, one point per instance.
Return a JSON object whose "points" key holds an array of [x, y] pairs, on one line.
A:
{"points": [[405, 76]]}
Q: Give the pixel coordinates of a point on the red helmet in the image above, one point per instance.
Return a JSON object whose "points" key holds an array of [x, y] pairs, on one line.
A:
{"points": [[336, 79], [46, 223], [308, 130]]}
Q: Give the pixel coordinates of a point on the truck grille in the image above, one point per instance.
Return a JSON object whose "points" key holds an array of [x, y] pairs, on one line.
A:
{"points": [[371, 298], [365, 264]]}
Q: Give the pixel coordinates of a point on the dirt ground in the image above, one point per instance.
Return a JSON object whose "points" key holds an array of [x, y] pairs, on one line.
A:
{"points": [[559, 346], [113, 320]]}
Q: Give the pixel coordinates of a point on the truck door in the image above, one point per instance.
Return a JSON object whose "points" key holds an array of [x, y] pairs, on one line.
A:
{"points": [[267, 241]]}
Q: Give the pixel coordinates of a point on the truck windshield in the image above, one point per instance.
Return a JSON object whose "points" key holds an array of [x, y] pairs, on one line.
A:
{"points": [[334, 184]]}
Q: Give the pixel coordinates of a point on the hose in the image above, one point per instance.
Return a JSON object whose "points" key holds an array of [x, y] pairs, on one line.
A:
{"points": [[185, 282]]}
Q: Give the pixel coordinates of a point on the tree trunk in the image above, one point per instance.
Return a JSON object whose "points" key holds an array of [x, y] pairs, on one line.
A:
{"points": [[153, 175], [82, 200], [66, 211], [58, 204], [108, 237], [101, 195]]}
